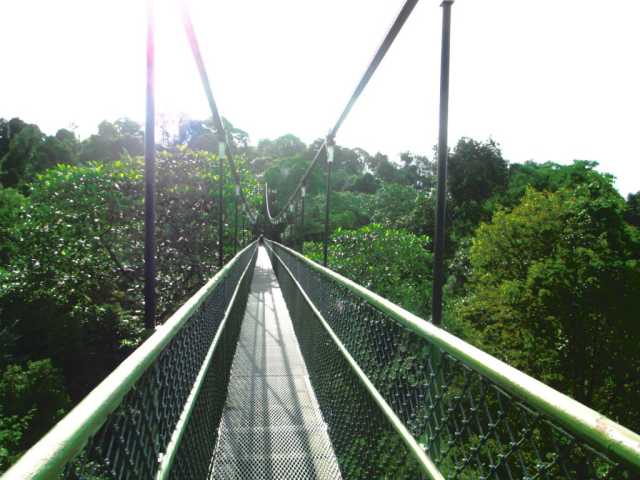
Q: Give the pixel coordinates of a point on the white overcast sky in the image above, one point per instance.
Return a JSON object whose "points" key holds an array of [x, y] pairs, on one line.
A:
{"points": [[548, 79]]}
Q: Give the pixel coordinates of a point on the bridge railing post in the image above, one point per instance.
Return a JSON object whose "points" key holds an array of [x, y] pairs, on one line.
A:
{"points": [[303, 194], [221, 156], [235, 222], [330, 153]]}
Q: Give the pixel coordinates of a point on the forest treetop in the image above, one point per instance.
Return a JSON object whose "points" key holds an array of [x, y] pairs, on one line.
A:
{"points": [[542, 258]]}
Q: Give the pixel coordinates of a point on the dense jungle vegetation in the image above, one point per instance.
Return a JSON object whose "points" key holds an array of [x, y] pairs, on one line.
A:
{"points": [[543, 260]]}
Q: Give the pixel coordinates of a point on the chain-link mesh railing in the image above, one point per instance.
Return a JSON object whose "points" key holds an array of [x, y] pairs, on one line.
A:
{"points": [[365, 443], [136, 429], [469, 425], [194, 458]]}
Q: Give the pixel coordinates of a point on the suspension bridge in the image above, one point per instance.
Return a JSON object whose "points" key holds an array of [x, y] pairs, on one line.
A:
{"points": [[281, 368]]}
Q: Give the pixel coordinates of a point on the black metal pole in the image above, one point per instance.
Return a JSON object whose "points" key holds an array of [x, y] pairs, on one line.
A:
{"points": [[292, 226], [221, 155], [296, 229], [325, 250], [150, 184], [304, 194], [443, 152], [235, 227]]}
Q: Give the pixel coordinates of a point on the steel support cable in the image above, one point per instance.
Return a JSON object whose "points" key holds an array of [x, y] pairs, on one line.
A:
{"points": [[215, 114], [267, 208], [382, 50], [388, 40], [266, 202], [303, 179]]}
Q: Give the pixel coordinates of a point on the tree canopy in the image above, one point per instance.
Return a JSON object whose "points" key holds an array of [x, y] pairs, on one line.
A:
{"points": [[542, 260]]}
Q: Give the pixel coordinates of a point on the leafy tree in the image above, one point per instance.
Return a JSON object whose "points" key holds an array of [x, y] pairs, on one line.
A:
{"points": [[282, 147], [73, 289], [11, 202], [201, 135], [422, 220], [124, 136], [632, 214], [367, 183], [32, 400], [348, 210], [28, 151], [8, 130], [283, 177], [393, 205], [350, 161], [418, 171], [553, 292], [476, 172], [386, 170], [197, 135], [391, 262], [548, 177]]}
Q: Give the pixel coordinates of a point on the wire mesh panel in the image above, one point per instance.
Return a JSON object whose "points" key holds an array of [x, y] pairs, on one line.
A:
{"points": [[365, 443], [271, 425], [469, 426], [133, 440]]}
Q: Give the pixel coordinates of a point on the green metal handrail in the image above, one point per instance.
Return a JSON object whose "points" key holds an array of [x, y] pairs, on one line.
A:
{"points": [[426, 465], [47, 458], [592, 427]]}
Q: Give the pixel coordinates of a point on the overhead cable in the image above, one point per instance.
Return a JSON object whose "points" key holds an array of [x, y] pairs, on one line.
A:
{"points": [[215, 114], [382, 50]]}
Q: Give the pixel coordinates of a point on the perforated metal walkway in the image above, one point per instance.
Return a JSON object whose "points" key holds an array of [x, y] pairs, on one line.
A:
{"points": [[271, 425]]}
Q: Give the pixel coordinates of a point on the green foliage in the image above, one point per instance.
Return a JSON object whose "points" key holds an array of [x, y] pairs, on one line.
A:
{"points": [[549, 282], [423, 214], [553, 292], [418, 171], [32, 400], [367, 183], [393, 206], [282, 147], [349, 210], [113, 140], [201, 135], [73, 288], [548, 177], [632, 215], [393, 263], [11, 202], [284, 174], [476, 172], [25, 151]]}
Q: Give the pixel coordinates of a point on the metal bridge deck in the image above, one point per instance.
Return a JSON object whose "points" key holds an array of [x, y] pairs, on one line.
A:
{"points": [[271, 424]]}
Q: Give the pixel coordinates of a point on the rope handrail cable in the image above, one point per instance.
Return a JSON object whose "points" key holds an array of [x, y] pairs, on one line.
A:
{"points": [[301, 183]]}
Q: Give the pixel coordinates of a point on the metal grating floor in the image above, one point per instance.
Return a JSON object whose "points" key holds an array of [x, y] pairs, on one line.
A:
{"points": [[271, 424]]}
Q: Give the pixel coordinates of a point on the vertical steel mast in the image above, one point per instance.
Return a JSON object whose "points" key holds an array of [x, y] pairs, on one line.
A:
{"points": [[443, 152], [149, 183], [327, 212]]}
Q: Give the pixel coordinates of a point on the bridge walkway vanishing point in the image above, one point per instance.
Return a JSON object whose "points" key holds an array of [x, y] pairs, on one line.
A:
{"points": [[271, 424]]}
